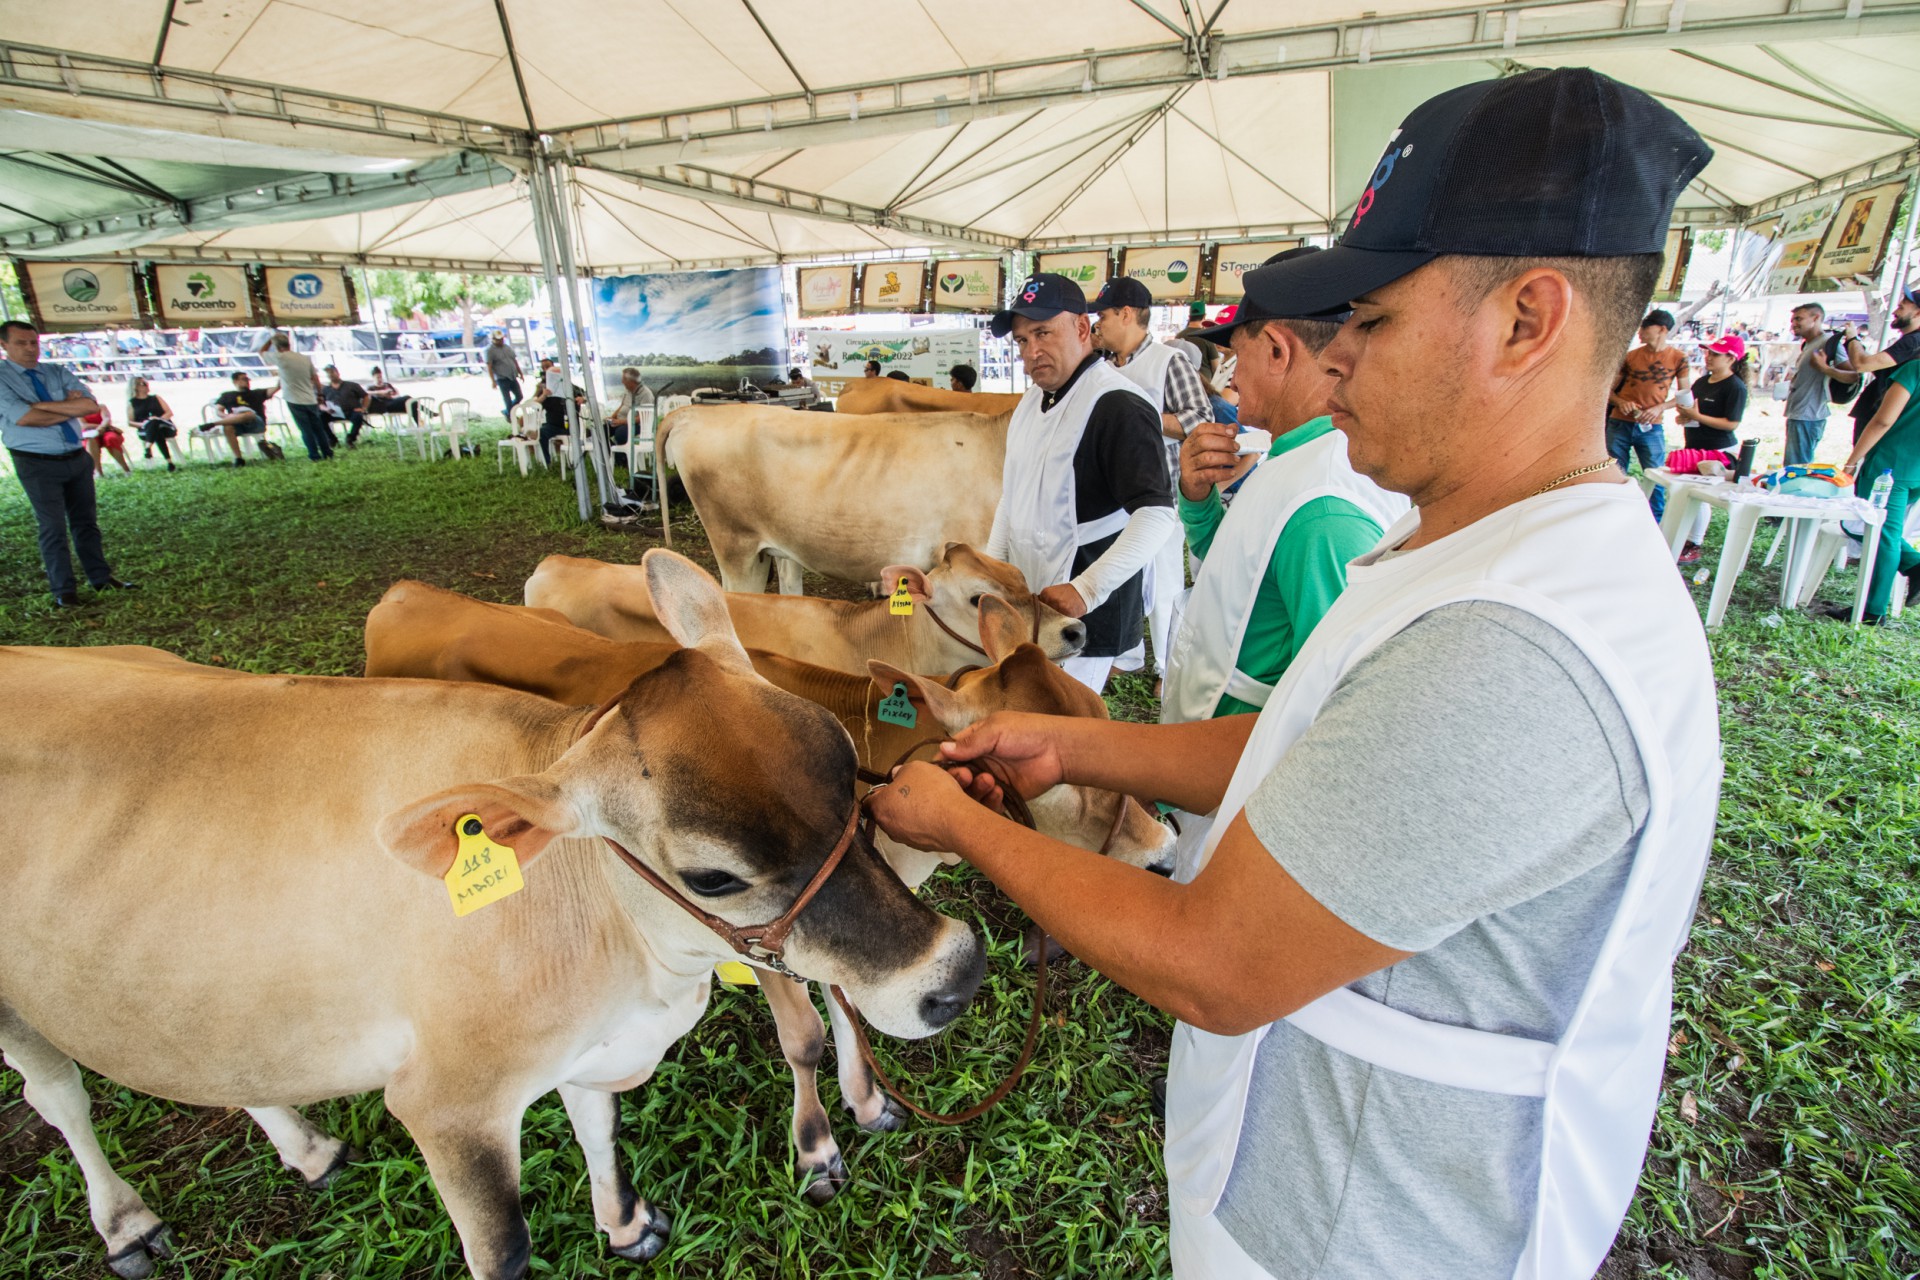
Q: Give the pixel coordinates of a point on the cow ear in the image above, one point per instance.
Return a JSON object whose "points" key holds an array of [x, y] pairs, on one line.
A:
{"points": [[941, 702], [525, 814], [917, 585], [1002, 629], [692, 607]]}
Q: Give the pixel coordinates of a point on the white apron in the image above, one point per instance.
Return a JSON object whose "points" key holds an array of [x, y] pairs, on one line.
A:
{"points": [[1586, 561], [1215, 614], [1036, 485], [1165, 575]]}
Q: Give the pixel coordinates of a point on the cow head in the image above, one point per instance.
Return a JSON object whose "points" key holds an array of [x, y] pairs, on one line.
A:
{"points": [[1021, 679], [734, 792], [964, 577]]}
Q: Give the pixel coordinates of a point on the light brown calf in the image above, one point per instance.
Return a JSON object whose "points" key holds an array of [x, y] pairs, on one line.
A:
{"points": [[890, 395]]}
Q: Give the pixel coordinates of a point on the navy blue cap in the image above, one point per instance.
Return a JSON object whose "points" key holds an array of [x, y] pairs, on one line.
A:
{"points": [[1265, 296], [1561, 163], [1122, 291], [1043, 296]]}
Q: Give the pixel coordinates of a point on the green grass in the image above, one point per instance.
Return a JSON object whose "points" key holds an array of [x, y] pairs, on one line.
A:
{"points": [[1796, 1000]]}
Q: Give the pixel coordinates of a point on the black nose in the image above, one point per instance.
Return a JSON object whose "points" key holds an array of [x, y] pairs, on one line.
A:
{"points": [[1074, 634], [939, 1008]]}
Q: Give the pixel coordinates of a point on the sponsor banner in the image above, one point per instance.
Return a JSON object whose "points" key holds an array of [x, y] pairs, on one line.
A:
{"points": [[1171, 275], [892, 286], [308, 295], [968, 284], [1673, 266], [1231, 261], [1856, 242], [1088, 270], [924, 355], [826, 291], [1798, 231], [79, 295], [201, 296]]}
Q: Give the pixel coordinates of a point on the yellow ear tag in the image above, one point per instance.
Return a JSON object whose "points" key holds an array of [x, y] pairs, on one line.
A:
{"points": [[735, 974], [482, 872], [900, 603]]}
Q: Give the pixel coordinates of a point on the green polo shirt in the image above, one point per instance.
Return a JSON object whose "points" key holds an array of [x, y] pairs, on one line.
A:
{"points": [[1899, 449], [1305, 575]]}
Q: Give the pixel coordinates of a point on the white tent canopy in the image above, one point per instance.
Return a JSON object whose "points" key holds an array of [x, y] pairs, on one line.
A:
{"points": [[744, 131]]}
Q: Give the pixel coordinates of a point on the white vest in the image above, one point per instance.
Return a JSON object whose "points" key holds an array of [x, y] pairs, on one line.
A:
{"points": [[1147, 370], [1588, 562], [1036, 484]]}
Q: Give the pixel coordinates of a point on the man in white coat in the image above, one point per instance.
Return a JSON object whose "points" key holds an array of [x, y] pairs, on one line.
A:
{"points": [[1463, 841], [1085, 498]]}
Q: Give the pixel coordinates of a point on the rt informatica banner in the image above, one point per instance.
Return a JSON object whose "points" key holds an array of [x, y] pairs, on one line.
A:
{"points": [[308, 295], [826, 291], [967, 284], [1856, 243], [1088, 270], [1171, 275], [1232, 261], [75, 296], [202, 296]]}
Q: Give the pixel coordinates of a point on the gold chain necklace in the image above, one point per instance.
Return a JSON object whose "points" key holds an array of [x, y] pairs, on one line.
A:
{"points": [[1572, 475]]}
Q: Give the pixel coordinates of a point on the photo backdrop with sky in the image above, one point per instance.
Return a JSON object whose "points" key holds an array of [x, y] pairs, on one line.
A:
{"points": [[690, 329]]}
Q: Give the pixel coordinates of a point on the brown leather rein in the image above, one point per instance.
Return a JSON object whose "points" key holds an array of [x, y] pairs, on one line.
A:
{"points": [[941, 623]]}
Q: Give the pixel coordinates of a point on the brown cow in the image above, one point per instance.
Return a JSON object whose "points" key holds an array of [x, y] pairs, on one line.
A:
{"points": [[239, 942], [611, 599], [423, 631], [890, 395]]}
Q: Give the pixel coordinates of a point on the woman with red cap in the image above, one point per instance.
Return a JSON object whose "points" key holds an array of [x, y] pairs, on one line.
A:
{"points": [[1712, 420]]}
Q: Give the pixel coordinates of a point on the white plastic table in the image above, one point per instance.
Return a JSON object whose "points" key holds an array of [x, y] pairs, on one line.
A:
{"points": [[1745, 506]]}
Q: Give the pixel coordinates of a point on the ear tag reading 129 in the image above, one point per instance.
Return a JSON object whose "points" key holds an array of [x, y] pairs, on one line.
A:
{"points": [[900, 603], [896, 708], [482, 872]]}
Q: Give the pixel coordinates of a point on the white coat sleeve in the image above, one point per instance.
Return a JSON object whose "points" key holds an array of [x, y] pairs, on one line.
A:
{"points": [[997, 540], [1147, 531]]}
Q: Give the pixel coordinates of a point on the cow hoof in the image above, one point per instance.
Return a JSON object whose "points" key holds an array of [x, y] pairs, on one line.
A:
{"points": [[892, 1116], [135, 1262], [345, 1156], [824, 1184], [653, 1238]]}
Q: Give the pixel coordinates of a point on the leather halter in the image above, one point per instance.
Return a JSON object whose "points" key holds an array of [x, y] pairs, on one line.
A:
{"points": [[941, 623]]}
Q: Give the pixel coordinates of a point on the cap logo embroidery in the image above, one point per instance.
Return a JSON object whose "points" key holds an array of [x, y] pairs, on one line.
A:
{"points": [[1031, 292], [1381, 173]]}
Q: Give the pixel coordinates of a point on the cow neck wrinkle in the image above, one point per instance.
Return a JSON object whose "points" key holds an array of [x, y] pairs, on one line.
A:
{"points": [[852, 700]]}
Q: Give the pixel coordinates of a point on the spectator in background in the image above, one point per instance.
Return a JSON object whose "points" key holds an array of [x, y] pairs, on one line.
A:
{"points": [[1650, 375], [1906, 323], [873, 369], [635, 406], [152, 419], [384, 397], [555, 388], [1712, 421], [504, 368], [102, 435], [350, 401], [1890, 443], [899, 376], [300, 384], [1807, 405], [963, 377], [243, 412]]}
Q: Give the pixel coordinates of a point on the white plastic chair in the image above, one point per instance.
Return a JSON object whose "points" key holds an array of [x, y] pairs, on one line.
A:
{"points": [[449, 424], [204, 436], [404, 427]]}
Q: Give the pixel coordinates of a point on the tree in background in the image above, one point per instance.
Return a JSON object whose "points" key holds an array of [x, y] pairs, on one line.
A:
{"points": [[16, 302], [445, 293]]}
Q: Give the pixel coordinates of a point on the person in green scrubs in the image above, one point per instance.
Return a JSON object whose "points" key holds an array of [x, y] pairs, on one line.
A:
{"points": [[1891, 442]]}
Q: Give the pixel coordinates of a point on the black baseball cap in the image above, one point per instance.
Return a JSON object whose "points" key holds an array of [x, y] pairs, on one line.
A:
{"points": [[1043, 296], [1266, 296], [1122, 291], [1560, 163]]}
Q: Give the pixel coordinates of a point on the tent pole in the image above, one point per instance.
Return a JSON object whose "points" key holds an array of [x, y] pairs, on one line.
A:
{"points": [[543, 229], [563, 234], [1900, 263], [1726, 285], [373, 318]]}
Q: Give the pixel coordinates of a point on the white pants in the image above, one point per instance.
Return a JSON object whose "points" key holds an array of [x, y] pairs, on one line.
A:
{"points": [[1698, 531], [1091, 672], [1202, 1250]]}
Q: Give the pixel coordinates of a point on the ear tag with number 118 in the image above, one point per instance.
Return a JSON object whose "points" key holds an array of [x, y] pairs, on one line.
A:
{"points": [[482, 872], [900, 603], [897, 708]]}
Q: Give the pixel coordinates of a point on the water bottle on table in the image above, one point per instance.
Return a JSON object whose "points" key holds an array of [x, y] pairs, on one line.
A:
{"points": [[1881, 488]]}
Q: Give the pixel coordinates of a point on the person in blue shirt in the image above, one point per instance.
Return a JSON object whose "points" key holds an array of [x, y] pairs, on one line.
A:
{"points": [[40, 411]]}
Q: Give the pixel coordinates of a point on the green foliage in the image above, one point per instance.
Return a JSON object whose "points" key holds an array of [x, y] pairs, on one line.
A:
{"points": [[446, 293], [16, 301], [1797, 1027]]}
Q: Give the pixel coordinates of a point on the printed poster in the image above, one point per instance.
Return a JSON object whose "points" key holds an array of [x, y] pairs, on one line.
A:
{"points": [[73, 296], [1088, 270], [201, 296], [1171, 275], [892, 286], [1673, 265], [1798, 232], [690, 329], [826, 291], [968, 284], [1232, 261], [308, 295], [1856, 243], [924, 355]]}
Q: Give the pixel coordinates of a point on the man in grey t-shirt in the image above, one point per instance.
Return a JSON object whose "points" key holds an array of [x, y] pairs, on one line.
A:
{"points": [[504, 368], [1807, 403], [299, 384]]}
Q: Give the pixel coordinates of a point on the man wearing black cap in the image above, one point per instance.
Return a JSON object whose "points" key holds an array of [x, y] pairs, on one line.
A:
{"points": [[1423, 962], [1085, 499]]}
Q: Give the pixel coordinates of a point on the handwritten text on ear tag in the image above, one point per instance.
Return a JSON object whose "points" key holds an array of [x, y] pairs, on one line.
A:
{"points": [[895, 708], [901, 601], [482, 872]]}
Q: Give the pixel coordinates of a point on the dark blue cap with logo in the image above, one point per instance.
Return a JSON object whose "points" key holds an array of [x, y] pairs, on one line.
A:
{"points": [[1122, 291], [1562, 163], [1265, 296], [1042, 297]]}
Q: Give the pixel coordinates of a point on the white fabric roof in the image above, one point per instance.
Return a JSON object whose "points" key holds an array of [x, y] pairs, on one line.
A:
{"points": [[743, 130]]}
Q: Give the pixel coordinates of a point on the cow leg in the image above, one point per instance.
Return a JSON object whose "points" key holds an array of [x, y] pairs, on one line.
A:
{"points": [[743, 567], [635, 1229], [317, 1158], [872, 1108], [471, 1141], [789, 573], [134, 1235], [802, 1040]]}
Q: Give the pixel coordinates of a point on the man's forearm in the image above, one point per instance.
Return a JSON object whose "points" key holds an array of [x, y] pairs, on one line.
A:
{"points": [[1188, 765]]}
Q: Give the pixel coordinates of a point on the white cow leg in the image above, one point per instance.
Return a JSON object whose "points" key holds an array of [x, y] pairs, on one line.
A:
{"points": [[471, 1141], [789, 572], [135, 1236], [317, 1158], [742, 566], [872, 1108], [635, 1229], [803, 1039]]}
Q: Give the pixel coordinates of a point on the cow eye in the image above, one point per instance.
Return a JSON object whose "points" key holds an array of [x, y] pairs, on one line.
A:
{"points": [[713, 884], [975, 602]]}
